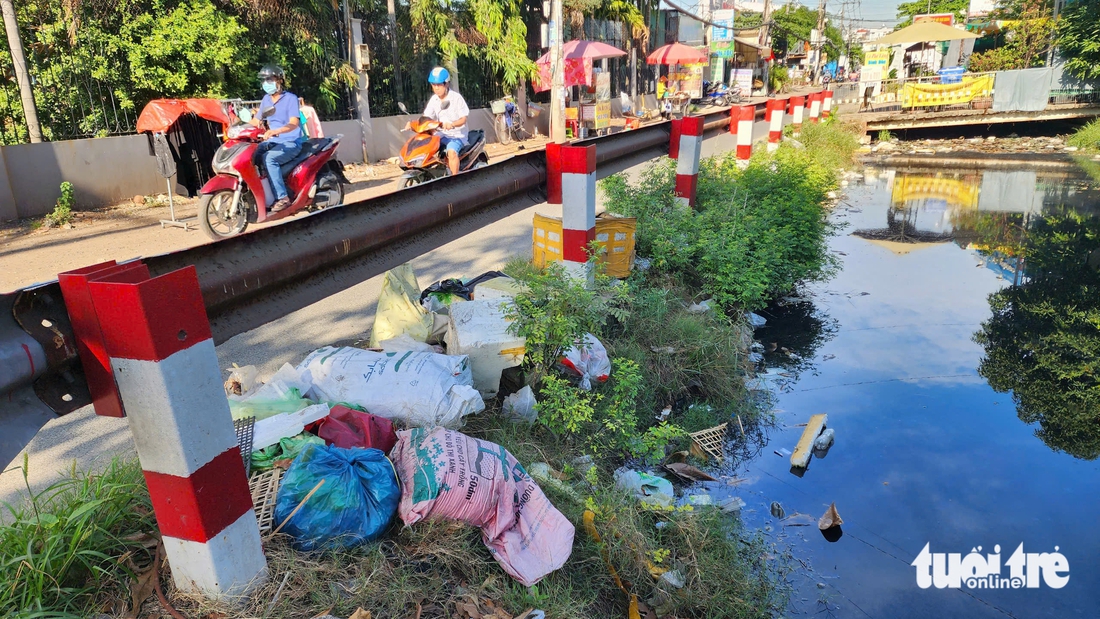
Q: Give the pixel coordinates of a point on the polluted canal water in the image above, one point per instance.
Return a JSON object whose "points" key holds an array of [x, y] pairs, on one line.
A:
{"points": [[956, 354]]}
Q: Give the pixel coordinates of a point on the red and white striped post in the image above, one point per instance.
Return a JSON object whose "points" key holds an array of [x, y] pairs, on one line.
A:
{"points": [[687, 162], [157, 336], [798, 110], [578, 207], [553, 173], [827, 104], [774, 115], [746, 116], [815, 107]]}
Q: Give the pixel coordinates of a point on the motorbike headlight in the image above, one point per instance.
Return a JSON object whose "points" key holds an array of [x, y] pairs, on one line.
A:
{"points": [[223, 158], [416, 161]]}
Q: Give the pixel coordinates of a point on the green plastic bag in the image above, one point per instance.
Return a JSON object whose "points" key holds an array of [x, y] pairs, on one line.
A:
{"points": [[286, 448]]}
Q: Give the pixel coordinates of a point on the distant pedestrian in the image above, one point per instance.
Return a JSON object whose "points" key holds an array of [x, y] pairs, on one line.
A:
{"points": [[309, 119]]}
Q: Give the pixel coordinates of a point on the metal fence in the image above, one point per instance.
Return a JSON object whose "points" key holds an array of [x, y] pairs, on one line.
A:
{"points": [[72, 102]]}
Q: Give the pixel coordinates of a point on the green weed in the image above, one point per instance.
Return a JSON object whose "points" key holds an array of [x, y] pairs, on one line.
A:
{"points": [[62, 214], [62, 553], [1087, 137], [885, 136]]}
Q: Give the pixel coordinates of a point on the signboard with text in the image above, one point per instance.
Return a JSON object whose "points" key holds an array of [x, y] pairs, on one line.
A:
{"points": [[725, 18]]}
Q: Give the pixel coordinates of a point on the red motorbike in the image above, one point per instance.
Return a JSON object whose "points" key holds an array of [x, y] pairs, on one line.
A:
{"points": [[240, 193]]}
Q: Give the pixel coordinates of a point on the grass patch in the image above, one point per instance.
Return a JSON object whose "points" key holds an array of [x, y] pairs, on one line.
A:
{"points": [[62, 214], [831, 143], [64, 552], [1087, 137]]}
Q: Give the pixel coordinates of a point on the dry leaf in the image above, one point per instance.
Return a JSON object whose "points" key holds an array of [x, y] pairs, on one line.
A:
{"points": [[467, 610], [688, 472], [140, 589], [830, 519], [360, 614]]}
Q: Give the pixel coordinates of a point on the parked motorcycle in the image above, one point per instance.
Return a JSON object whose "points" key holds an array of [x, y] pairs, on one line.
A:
{"points": [[420, 156], [314, 180], [720, 94]]}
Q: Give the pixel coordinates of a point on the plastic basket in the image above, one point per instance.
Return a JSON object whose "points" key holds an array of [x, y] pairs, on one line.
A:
{"points": [[616, 234], [498, 106]]}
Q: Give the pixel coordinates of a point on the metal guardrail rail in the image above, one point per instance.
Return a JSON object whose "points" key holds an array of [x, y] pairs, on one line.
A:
{"points": [[263, 275]]}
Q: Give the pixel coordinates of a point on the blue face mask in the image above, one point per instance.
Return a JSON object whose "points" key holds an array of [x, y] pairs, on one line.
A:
{"points": [[271, 87]]}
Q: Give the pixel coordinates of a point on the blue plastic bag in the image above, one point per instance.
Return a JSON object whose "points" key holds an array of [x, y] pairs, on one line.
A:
{"points": [[355, 504]]}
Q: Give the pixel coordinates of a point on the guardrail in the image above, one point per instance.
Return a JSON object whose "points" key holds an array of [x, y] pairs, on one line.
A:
{"points": [[263, 275]]}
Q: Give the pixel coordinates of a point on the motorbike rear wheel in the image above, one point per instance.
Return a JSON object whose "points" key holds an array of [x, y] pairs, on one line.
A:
{"points": [[330, 191], [214, 218]]}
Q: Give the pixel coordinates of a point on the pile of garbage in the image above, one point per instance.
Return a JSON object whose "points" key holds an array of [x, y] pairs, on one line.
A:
{"points": [[367, 435]]}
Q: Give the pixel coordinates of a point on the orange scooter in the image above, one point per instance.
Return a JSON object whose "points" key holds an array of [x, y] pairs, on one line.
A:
{"points": [[420, 156]]}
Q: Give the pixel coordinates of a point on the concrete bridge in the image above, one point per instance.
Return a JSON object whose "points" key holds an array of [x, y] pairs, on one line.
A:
{"points": [[923, 119]]}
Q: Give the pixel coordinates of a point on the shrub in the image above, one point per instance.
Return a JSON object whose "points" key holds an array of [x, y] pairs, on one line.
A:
{"points": [[62, 214], [1087, 137]]}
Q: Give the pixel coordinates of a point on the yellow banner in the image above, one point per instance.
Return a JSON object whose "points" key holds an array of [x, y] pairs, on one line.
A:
{"points": [[927, 95], [957, 193]]}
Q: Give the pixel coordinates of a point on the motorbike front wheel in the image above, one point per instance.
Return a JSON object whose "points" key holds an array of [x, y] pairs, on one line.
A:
{"points": [[504, 132], [416, 179], [214, 217]]}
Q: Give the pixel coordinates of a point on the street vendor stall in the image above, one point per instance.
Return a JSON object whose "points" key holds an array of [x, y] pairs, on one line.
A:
{"points": [[183, 135], [592, 111], [685, 72]]}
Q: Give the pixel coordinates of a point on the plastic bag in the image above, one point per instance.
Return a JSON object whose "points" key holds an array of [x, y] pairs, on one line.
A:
{"points": [[349, 428], [397, 311], [647, 488], [355, 504], [446, 474], [404, 342], [241, 380], [287, 448], [416, 388], [589, 361], [520, 406], [282, 393], [271, 430]]}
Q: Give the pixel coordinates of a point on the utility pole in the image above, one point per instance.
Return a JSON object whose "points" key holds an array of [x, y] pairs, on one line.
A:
{"points": [[557, 79], [820, 41], [19, 62], [392, 16], [764, 27]]}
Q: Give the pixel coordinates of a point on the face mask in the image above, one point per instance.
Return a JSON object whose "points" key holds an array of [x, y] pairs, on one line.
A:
{"points": [[271, 87]]}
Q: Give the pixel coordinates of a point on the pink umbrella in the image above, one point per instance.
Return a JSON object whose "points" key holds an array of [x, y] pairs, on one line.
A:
{"points": [[676, 53], [591, 50], [577, 57]]}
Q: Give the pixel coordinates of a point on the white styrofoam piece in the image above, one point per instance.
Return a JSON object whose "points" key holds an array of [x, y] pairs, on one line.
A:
{"points": [[479, 330]]}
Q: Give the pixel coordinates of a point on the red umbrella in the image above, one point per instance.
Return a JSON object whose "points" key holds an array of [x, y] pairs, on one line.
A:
{"points": [[676, 53], [591, 50]]}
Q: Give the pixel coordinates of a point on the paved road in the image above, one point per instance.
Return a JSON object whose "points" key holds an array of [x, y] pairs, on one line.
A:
{"points": [[93, 441]]}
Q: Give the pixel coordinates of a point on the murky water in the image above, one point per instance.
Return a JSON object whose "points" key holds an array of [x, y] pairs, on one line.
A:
{"points": [[961, 379]]}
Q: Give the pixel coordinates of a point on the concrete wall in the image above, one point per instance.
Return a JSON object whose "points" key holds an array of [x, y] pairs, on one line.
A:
{"points": [[102, 171], [108, 170]]}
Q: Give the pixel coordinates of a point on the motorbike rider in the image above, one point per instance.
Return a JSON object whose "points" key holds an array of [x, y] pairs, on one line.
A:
{"points": [[450, 109], [282, 139]]}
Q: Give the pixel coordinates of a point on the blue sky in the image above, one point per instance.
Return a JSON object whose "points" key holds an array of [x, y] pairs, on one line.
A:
{"points": [[873, 12]]}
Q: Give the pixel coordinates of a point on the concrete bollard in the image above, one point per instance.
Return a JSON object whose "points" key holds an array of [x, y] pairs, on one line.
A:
{"points": [[815, 107], [157, 337], [677, 126], [553, 173], [775, 123], [798, 110], [746, 116], [827, 104], [687, 164], [578, 208]]}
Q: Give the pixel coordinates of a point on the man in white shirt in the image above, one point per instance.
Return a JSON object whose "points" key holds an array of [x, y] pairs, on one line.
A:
{"points": [[450, 109]]}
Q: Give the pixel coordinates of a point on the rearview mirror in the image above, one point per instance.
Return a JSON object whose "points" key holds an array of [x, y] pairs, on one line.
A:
{"points": [[401, 106], [244, 114], [267, 112]]}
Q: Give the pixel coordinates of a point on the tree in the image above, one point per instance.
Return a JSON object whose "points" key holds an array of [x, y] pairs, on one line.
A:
{"points": [[908, 10], [1043, 341], [1027, 39], [492, 29], [1079, 38], [790, 25]]}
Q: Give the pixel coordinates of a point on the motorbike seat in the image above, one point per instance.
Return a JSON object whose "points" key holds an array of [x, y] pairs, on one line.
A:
{"points": [[472, 139], [310, 148]]}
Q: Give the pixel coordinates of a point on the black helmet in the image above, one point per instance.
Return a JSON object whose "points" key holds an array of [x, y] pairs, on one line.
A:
{"points": [[272, 72]]}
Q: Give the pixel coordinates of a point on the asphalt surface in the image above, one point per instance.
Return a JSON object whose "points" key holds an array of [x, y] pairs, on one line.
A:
{"points": [[89, 443]]}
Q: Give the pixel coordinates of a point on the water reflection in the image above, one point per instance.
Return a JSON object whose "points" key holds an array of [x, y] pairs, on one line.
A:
{"points": [[1043, 341], [1039, 232]]}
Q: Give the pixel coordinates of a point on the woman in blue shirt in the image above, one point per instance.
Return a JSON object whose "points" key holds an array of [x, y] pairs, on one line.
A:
{"points": [[281, 140]]}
